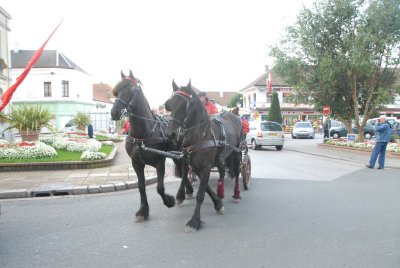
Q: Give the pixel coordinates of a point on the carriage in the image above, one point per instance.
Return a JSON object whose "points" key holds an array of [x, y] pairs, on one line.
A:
{"points": [[195, 142]]}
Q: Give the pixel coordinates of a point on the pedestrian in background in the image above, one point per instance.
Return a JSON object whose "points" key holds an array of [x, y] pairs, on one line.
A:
{"points": [[383, 136], [327, 126], [208, 104], [90, 131]]}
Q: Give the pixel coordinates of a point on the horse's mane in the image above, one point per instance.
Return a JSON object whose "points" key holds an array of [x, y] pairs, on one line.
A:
{"points": [[198, 105], [123, 83]]}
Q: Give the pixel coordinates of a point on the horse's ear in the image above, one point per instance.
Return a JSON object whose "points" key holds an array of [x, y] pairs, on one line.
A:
{"points": [[122, 75], [131, 74], [174, 86], [189, 85]]}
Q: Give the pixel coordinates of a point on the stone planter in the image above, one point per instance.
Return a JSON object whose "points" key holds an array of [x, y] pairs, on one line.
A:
{"points": [[29, 135]]}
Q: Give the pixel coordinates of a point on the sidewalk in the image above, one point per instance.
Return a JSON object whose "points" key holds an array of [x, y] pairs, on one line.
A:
{"points": [[121, 176]]}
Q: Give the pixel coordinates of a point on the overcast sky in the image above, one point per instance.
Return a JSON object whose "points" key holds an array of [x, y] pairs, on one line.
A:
{"points": [[220, 45]]}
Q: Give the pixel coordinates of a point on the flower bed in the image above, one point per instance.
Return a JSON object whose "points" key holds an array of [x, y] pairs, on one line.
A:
{"points": [[48, 145], [27, 150], [366, 146]]}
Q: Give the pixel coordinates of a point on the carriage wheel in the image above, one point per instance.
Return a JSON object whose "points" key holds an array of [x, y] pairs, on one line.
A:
{"points": [[246, 172]]}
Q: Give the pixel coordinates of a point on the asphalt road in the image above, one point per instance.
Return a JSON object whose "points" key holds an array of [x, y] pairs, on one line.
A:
{"points": [[301, 211]]}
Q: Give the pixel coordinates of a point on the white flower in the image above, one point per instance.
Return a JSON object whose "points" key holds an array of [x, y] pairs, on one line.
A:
{"points": [[87, 155], [108, 143]]}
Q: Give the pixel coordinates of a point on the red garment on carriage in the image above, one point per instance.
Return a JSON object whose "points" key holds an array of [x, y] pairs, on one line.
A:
{"points": [[211, 108], [245, 125]]}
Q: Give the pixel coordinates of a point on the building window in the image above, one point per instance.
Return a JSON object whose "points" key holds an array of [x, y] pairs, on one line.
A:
{"points": [[285, 98], [47, 89], [65, 88], [254, 100], [250, 102], [244, 102], [269, 98]]}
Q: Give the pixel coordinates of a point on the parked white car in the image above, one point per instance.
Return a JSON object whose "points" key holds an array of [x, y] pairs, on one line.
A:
{"points": [[265, 133], [303, 129]]}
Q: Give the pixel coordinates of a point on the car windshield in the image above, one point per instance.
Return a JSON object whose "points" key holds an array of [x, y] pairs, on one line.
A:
{"points": [[270, 126], [303, 124]]}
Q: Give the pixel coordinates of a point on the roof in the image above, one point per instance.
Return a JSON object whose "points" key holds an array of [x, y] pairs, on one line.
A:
{"points": [[224, 100], [48, 59], [102, 93], [216, 97], [261, 81]]}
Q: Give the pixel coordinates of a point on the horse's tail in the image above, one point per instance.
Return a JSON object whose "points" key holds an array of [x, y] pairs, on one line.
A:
{"points": [[232, 164], [178, 168]]}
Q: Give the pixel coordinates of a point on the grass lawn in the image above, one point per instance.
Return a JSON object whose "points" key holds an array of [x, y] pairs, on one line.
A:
{"points": [[61, 156]]}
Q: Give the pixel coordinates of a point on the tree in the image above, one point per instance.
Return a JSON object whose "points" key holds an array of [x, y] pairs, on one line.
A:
{"points": [[343, 53], [233, 102], [275, 110]]}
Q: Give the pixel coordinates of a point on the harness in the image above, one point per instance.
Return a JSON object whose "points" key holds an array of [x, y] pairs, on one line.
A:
{"points": [[201, 144], [141, 143]]}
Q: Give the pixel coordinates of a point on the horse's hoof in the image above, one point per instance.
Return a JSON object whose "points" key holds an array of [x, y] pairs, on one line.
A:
{"points": [[189, 196], [169, 201], [189, 229], [178, 201], [140, 219], [236, 198], [221, 211]]}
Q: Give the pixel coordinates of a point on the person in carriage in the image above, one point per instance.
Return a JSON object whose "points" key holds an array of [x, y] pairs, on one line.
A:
{"points": [[209, 105]]}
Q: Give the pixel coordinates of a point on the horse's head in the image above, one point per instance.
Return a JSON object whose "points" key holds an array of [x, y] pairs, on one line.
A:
{"points": [[182, 104], [124, 92]]}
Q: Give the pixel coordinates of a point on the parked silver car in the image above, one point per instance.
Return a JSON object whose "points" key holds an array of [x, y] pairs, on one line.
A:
{"points": [[303, 130], [265, 133]]}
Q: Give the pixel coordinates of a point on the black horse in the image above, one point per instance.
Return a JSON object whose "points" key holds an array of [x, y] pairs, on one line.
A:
{"points": [[146, 129], [205, 144]]}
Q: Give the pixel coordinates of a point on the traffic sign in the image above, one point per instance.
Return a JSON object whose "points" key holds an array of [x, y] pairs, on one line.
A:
{"points": [[326, 110]]}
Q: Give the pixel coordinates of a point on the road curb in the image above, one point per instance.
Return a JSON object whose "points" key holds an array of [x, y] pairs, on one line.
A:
{"points": [[337, 158], [45, 191]]}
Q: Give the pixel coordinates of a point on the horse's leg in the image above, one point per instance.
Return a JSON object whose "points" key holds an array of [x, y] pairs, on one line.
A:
{"points": [[185, 183], [168, 200], [220, 188], [195, 223], [143, 213], [236, 191], [218, 204]]}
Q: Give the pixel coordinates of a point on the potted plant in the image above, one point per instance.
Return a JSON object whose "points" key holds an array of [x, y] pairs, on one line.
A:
{"points": [[29, 120], [81, 120], [3, 64]]}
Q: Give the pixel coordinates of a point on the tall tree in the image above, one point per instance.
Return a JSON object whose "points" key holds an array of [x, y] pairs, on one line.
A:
{"points": [[343, 53], [275, 113]]}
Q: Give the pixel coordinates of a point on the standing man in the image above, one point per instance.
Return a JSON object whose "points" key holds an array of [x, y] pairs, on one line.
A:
{"points": [[209, 105], [327, 126], [383, 136]]}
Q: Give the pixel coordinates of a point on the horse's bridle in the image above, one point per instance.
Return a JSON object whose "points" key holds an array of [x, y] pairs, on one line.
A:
{"points": [[127, 106], [188, 98]]}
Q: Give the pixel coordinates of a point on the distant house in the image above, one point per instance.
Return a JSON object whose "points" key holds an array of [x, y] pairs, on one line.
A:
{"points": [[257, 97], [221, 99], [4, 61], [55, 82]]}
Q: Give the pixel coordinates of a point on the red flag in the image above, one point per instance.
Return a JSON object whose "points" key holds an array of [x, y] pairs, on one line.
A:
{"points": [[8, 94], [269, 83]]}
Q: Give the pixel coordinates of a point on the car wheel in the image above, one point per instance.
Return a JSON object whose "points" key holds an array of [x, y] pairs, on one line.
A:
{"points": [[335, 135], [279, 147], [368, 136], [293, 137], [254, 145]]}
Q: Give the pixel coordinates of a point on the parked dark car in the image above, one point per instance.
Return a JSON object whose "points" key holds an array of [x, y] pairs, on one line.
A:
{"points": [[340, 130]]}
